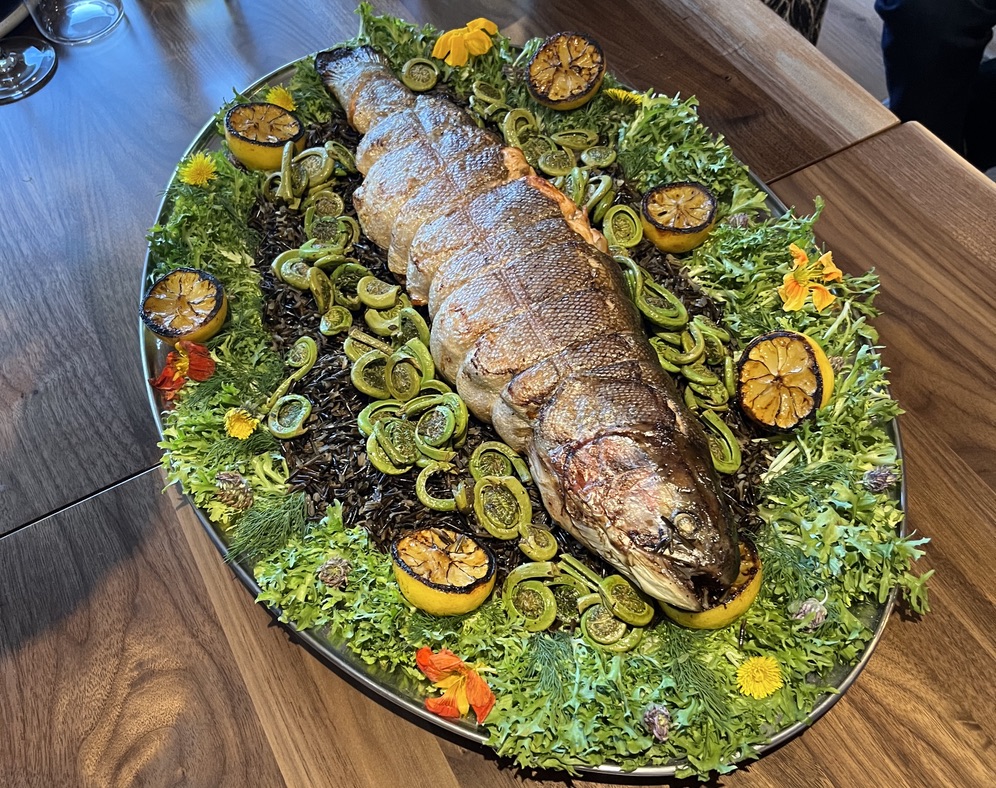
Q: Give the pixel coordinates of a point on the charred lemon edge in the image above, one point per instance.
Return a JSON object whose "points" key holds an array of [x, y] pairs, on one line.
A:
{"points": [[260, 154], [563, 105], [823, 364], [212, 323], [824, 370], [675, 240], [442, 600], [742, 594]]}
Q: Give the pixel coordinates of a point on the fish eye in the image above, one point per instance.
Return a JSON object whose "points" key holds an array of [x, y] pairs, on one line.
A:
{"points": [[686, 523]]}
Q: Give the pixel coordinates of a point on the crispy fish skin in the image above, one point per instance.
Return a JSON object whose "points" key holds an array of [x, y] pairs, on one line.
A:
{"points": [[423, 175], [430, 118], [364, 84], [532, 323], [520, 215], [492, 299]]}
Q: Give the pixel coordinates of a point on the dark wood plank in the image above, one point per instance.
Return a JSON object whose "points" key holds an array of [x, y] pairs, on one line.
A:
{"points": [[907, 205], [114, 666]]}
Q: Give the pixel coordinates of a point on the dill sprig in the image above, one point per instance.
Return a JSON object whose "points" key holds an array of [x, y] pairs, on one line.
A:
{"points": [[814, 476], [549, 663], [267, 526], [698, 683], [227, 451]]}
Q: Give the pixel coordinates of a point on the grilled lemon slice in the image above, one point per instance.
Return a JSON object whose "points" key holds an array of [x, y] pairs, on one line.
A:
{"points": [[783, 378], [677, 217], [185, 304], [443, 572], [257, 132], [742, 594], [566, 71]]}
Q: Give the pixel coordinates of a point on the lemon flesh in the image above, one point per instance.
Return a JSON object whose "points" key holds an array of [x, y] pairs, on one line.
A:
{"points": [[185, 304], [257, 132], [784, 377], [442, 572], [566, 71], [677, 217]]}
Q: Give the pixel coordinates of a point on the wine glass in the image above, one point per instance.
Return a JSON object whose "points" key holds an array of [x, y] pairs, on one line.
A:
{"points": [[26, 64]]}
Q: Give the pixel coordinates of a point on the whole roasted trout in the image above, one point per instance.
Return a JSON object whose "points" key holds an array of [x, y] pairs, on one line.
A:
{"points": [[532, 323]]}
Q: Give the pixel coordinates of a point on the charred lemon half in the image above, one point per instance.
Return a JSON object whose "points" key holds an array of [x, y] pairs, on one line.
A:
{"points": [[677, 217], [741, 596], [783, 378], [185, 304], [443, 572], [566, 71], [257, 132]]}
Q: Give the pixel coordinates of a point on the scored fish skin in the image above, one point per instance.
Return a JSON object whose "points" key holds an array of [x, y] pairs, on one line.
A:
{"points": [[364, 85], [430, 118], [568, 378], [462, 176], [449, 249], [441, 244], [484, 302], [406, 173]]}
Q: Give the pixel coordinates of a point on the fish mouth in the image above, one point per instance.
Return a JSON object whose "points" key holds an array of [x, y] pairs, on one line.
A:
{"points": [[658, 519], [700, 563]]}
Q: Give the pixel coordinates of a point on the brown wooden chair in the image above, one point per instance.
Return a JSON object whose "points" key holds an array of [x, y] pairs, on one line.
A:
{"points": [[804, 15]]}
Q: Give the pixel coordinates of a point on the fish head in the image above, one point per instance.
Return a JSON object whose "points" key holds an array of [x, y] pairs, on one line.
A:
{"points": [[654, 512]]}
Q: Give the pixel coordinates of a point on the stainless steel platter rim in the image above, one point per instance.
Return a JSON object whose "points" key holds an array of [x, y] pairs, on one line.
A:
{"points": [[319, 645]]}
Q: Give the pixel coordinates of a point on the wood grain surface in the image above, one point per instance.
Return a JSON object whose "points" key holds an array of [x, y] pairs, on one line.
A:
{"points": [[115, 669], [86, 159]]}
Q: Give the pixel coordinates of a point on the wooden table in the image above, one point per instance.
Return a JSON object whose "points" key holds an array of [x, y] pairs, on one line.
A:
{"points": [[129, 653]]}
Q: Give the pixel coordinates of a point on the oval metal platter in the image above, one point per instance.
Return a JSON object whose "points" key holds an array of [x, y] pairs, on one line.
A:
{"points": [[392, 688]]}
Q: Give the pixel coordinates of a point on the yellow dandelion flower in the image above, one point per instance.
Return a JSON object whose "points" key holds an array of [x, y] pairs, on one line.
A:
{"points": [[240, 423], [759, 677], [282, 97], [624, 96], [198, 170]]}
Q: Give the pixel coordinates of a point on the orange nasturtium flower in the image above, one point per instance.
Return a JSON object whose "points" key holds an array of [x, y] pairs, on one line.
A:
{"points": [[198, 170], [190, 361], [463, 688], [455, 46], [801, 281]]}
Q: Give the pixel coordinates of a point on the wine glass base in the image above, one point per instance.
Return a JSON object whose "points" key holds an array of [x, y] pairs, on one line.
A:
{"points": [[25, 65]]}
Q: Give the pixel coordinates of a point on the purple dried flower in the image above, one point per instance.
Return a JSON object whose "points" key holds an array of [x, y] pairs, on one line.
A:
{"points": [[811, 607], [657, 720], [879, 479], [334, 572]]}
